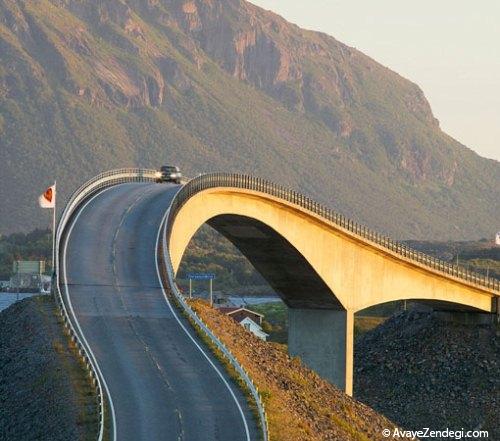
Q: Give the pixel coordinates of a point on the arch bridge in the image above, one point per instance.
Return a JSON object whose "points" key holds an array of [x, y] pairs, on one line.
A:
{"points": [[324, 266]]}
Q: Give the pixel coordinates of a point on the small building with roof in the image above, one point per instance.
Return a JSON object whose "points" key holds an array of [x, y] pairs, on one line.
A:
{"points": [[250, 320]]}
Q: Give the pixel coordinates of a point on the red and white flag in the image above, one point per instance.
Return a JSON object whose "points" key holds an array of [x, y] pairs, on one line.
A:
{"points": [[48, 198]]}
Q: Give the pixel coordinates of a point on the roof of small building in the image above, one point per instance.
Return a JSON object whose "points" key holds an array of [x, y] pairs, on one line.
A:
{"points": [[232, 309], [259, 328]]}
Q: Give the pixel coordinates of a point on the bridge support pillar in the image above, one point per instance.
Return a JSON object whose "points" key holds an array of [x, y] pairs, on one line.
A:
{"points": [[323, 339]]}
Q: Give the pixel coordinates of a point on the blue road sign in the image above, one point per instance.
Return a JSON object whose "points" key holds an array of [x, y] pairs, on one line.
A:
{"points": [[201, 276]]}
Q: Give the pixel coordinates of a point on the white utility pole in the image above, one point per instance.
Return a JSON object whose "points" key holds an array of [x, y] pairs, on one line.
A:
{"points": [[211, 294], [54, 230]]}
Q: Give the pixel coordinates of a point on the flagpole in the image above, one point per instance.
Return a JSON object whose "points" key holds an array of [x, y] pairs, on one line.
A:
{"points": [[54, 231]]}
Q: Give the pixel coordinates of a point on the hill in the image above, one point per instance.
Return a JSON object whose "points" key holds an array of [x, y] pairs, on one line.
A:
{"points": [[211, 85], [36, 245]]}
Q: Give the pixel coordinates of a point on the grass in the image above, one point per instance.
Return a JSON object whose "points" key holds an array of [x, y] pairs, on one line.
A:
{"points": [[484, 266], [275, 321]]}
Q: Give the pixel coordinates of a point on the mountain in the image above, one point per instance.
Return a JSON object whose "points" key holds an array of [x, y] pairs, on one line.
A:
{"points": [[88, 85]]}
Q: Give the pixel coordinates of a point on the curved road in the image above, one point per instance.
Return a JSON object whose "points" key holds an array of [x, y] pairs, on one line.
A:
{"points": [[162, 386]]}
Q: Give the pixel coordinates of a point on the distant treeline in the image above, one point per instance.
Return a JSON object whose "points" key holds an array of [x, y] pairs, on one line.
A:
{"points": [[36, 245], [482, 256], [208, 251]]}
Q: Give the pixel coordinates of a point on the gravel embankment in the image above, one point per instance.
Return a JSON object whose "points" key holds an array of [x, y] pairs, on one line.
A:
{"points": [[44, 392], [300, 405], [422, 372]]}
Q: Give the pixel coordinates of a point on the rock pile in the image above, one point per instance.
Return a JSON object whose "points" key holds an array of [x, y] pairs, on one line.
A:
{"points": [[422, 372], [44, 393]]}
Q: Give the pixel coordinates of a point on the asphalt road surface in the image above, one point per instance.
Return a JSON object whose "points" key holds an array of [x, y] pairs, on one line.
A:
{"points": [[161, 384]]}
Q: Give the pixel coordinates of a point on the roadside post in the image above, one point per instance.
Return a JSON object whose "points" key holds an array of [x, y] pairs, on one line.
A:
{"points": [[211, 293], [202, 276]]}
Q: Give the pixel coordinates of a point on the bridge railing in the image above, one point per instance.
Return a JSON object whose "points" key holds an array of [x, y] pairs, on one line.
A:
{"points": [[75, 200], [213, 180]]}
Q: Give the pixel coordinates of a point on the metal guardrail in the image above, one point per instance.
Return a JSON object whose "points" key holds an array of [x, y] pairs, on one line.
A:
{"points": [[167, 265], [213, 180], [80, 195]]}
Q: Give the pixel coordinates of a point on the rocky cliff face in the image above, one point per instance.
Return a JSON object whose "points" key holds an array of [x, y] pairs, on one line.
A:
{"points": [[305, 70], [235, 87]]}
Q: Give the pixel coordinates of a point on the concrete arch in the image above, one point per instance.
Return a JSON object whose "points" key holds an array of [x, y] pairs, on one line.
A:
{"points": [[286, 270], [340, 272], [358, 274]]}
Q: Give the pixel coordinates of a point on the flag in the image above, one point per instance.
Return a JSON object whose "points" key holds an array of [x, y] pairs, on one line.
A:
{"points": [[48, 198]]}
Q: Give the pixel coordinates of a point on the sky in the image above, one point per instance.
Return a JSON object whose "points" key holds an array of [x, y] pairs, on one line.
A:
{"points": [[450, 48]]}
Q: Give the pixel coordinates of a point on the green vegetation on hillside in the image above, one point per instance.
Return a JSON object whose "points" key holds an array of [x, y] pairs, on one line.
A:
{"points": [[482, 256], [88, 86], [275, 320], [484, 266], [36, 245], [213, 253]]}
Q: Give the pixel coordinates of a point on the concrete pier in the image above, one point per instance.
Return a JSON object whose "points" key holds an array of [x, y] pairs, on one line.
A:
{"points": [[323, 339]]}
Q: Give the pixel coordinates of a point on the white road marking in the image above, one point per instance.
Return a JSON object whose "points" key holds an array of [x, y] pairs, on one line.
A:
{"points": [[66, 291], [190, 336]]}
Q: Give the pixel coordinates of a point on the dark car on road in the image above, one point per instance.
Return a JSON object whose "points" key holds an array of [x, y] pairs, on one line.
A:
{"points": [[169, 173]]}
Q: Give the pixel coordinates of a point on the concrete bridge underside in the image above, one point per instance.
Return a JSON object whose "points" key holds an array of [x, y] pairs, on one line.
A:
{"points": [[323, 272]]}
